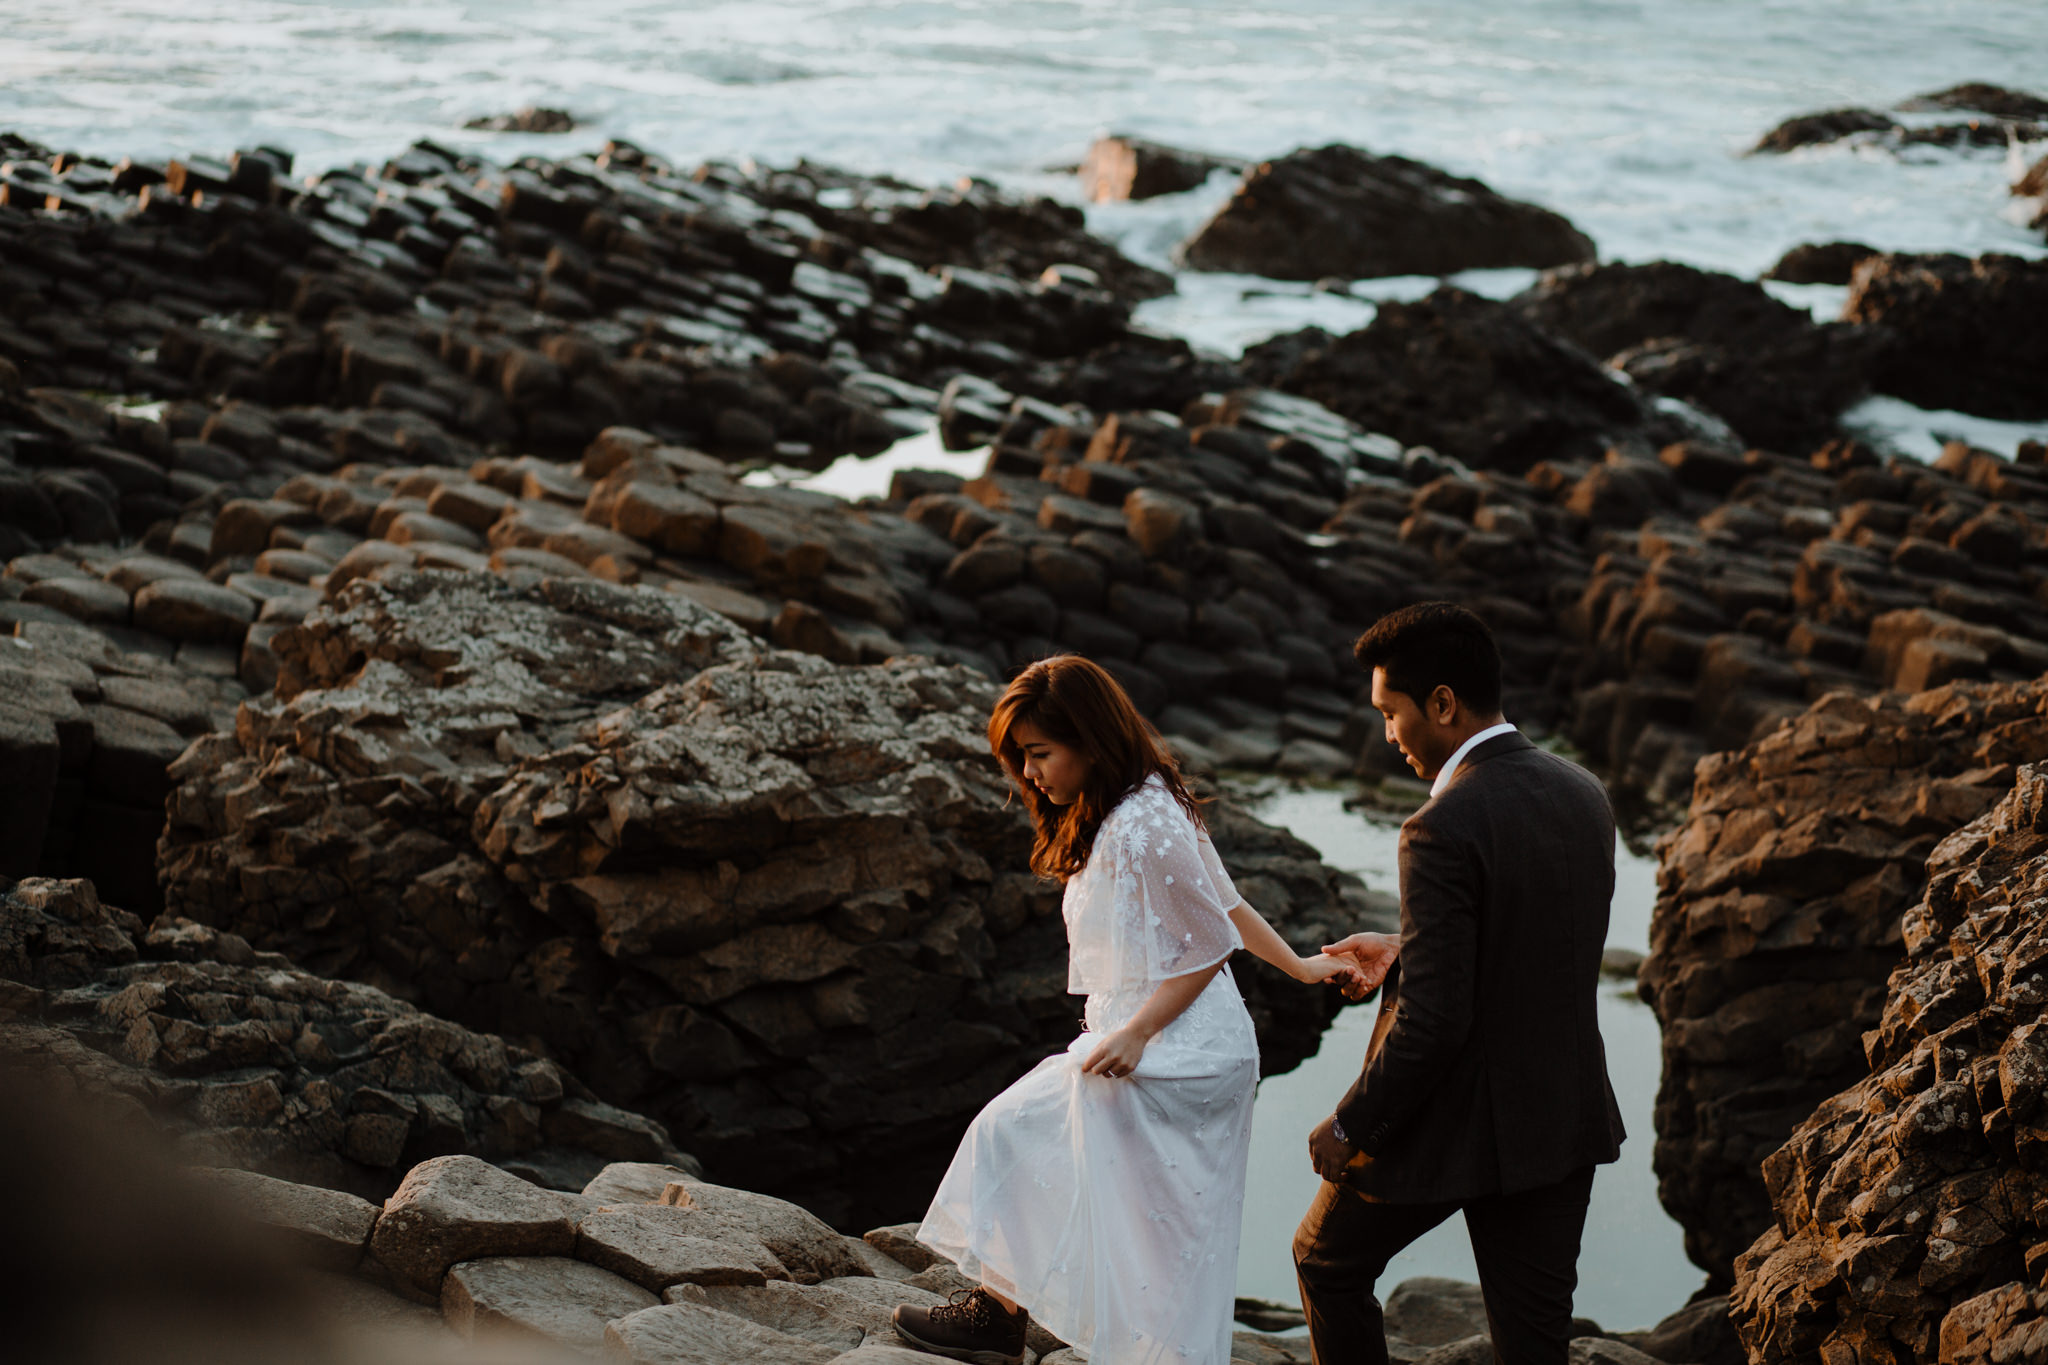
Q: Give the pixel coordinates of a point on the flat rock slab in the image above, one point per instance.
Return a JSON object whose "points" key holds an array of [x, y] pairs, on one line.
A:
{"points": [[1468, 1351], [876, 1263], [327, 1228], [692, 1334], [1258, 1348], [1431, 1311], [878, 1353], [869, 1302], [654, 1246], [805, 1243], [137, 572], [635, 1182], [806, 1311], [1604, 1351], [194, 609], [561, 1300], [85, 599], [359, 1308], [460, 1208]]}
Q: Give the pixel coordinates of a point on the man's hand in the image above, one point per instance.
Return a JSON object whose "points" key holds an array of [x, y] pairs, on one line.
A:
{"points": [[1374, 954], [1325, 1152]]}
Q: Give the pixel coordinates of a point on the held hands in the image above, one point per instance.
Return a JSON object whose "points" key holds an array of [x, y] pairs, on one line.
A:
{"points": [[1371, 956], [1116, 1055], [1338, 971]]}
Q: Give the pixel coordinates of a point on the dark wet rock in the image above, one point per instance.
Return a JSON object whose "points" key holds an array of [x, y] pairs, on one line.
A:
{"points": [[1979, 97], [974, 228], [1778, 921], [2033, 182], [1123, 167], [1464, 375], [1701, 1333], [1338, 211], [250, 1062], [1805, 130], [1959, 333], [532, 119], [1713, 340], [1909, 1206], [1820, 263], [2005, 116]]}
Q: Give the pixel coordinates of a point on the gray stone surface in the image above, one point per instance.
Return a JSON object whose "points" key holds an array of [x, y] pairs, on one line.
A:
{"points": [[693, 1334], [562, 1301], [328, 1229], [656, 1246], [1428, 1310], [458, 1208]]}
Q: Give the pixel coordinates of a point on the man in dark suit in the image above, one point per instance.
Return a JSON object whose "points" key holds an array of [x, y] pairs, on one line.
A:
{"points": [[1485, 1085]]}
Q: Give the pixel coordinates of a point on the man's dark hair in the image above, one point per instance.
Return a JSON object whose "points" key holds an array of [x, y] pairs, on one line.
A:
{"points": [[1431, 645]]}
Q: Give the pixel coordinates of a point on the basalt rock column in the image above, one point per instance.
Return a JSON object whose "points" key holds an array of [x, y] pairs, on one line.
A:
{"points": [[1910, 1208], [1778, 922]]}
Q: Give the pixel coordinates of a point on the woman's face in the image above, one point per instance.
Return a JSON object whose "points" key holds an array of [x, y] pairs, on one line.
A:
{"points": [[1058, 771]]}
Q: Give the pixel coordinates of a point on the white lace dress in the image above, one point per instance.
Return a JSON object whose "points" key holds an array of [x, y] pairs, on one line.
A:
{"points": [[1111, 1208]]}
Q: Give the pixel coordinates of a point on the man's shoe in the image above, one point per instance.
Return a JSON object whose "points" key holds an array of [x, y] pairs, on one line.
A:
{"points": [[973, 1327]]}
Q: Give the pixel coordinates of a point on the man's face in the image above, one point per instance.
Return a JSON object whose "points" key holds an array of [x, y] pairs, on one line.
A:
{"points": [[1420, 730]]}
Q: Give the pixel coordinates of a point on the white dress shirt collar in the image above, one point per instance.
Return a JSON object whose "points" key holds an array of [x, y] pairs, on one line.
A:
{"points": [[1450, 769]]}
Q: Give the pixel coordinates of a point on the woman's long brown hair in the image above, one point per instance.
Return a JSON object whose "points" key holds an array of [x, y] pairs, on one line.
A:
{"points": [[1074, 702]]}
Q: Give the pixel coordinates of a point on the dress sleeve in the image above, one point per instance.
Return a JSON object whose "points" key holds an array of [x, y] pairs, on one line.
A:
{"points": [[1179, 918]]}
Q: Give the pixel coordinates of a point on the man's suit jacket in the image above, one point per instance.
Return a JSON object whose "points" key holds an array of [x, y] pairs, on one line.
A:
{"points": [[1486, 1073]]}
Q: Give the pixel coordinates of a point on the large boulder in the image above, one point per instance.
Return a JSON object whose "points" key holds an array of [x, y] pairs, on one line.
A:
{"points": [[782, 903], [1464, 375], [1719, 342], [1909, 1208], [249, 1062], [1999, 116], [457, 1208], [1339, 211], [1959, 333], [1777, 924]]}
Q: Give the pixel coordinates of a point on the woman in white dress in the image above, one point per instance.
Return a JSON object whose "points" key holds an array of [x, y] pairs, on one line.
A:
{"points": [[1103, 1193]]}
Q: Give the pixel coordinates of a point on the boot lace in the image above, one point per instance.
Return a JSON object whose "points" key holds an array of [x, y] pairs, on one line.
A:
{"points": [[975, 1309]]}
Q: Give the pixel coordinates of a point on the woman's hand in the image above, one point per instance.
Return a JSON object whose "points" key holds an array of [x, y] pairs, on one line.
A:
{"points": [[1116, 1055], [1372, 956], [1323, 967]]}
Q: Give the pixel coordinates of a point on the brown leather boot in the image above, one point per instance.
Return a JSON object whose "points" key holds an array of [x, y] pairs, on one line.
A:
{"points": [[974, 1327]]}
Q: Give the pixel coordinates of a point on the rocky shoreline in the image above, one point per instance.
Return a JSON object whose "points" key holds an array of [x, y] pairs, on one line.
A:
{"points": [[405, 586]]}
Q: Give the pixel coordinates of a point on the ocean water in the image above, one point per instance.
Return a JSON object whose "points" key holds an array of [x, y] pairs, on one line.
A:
{"points": [[1632, 1266], [1629, 116]]}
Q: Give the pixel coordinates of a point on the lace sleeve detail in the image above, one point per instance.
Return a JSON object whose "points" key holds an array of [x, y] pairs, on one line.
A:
{"points": [[1173, 896]]}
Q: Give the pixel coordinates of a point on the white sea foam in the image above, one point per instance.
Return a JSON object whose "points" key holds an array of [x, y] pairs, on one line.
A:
{"points": [[1897, 427], [1631, 120]]}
